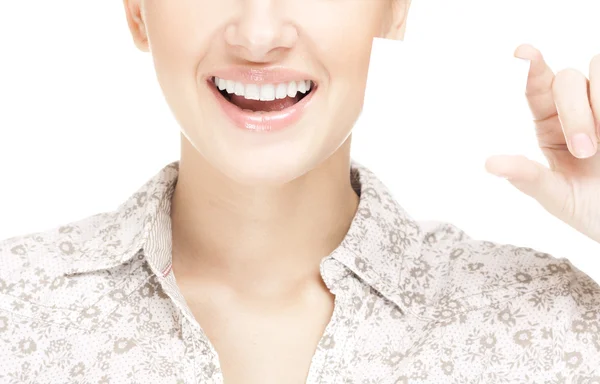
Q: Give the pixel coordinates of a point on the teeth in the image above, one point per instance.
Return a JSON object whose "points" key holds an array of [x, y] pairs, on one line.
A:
{"points": [[281, 91], [292, 89], [222, 84], [265, 92], [239, 89], [302, 86], [252, 92], [230, 86]]}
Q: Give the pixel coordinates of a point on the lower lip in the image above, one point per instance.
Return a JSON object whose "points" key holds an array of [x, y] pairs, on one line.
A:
{"points": [[265, 121]]}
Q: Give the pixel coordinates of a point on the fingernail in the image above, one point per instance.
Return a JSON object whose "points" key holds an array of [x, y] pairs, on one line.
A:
{"points": [[582, 146]]}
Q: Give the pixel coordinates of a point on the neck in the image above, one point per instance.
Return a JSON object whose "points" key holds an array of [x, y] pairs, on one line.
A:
{"points": [[238, 235]]}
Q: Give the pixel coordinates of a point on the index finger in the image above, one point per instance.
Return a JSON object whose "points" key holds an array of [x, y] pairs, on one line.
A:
{"points": [[539, 83]]}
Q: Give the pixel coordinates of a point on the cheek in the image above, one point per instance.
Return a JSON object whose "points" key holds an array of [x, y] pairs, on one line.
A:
{"points": [[345, 47], [179, 42], [348, 52], [178, 36], [346, 57]]}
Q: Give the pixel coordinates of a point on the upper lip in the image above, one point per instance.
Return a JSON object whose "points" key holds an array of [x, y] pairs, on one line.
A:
{"points": [[271, 75]]}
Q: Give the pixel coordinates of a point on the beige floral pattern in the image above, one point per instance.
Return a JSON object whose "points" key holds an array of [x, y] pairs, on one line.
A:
{"points": [[95, 301]]}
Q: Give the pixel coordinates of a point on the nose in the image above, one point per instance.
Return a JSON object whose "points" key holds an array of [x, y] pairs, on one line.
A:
{"points": [[261, 31]]}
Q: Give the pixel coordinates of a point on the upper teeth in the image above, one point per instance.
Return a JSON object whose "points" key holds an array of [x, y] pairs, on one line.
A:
{"points": [[265, 92]]}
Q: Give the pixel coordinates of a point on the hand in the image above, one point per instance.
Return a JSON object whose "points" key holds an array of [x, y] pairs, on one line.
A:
{"points": [[566, 112]]}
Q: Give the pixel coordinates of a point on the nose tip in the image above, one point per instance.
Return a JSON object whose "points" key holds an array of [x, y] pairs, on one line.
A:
{"points": [[256, 38]]}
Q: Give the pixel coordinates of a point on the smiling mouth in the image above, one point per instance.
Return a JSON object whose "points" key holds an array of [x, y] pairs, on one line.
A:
{"points": [[263, 97]]}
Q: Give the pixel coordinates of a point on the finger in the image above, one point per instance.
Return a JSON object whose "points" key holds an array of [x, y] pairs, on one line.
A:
{"points": [[533, 179], [570, 90], [516, 168], [594, 91], [539, 83]]}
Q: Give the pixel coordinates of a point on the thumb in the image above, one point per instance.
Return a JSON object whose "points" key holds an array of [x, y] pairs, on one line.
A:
{"points": [[532, 178]]}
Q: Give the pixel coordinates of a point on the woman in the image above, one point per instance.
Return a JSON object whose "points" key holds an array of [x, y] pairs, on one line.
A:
{"points": [[267, 255]]}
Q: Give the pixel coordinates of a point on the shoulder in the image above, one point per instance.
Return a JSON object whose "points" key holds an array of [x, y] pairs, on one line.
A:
{"points": [[484, 272], [95, 242], [73, 275], [536, 311], [49, 252]]}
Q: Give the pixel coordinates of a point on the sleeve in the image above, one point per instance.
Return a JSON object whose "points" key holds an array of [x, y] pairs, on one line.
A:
{"points": [[577, 311]]}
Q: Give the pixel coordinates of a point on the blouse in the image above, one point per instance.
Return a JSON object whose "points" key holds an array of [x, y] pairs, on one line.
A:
{"points": [[96, 301]]}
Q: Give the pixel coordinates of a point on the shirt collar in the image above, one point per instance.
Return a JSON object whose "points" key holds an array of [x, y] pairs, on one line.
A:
{"points": [[382, 246], [122, 234]]}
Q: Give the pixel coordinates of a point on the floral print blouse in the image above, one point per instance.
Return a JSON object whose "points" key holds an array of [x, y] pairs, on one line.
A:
{"points": [[95, 301]]}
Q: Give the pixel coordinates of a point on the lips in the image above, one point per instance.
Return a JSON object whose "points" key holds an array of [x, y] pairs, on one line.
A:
{"points": [[262, 100]]}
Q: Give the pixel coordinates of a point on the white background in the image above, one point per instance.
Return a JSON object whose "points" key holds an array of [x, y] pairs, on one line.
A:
{"points": [[83, 123]]}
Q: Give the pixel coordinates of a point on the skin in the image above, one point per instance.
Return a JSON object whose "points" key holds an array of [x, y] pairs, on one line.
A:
{"points": [[252, 216], [565, 106], [286, 193]]}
